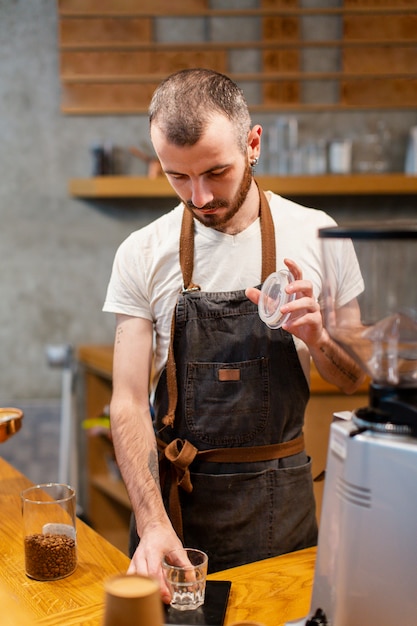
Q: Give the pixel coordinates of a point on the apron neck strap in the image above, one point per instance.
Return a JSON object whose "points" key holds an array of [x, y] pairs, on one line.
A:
{"points": [[187, 265], [267, 239], [269, 261]]}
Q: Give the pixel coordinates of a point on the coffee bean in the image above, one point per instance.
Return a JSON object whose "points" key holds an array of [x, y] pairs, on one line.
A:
{"points": [[50, 556]]}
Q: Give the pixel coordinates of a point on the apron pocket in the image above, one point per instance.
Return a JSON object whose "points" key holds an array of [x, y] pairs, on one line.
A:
{"points": [[240, 518], [221, 400]]}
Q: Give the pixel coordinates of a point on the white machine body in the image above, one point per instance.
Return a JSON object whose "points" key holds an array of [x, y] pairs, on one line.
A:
{"points": [[366, 568]]}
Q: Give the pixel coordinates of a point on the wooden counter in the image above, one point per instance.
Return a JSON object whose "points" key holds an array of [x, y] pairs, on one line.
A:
{"points": [[271, 591], [76, 599]]}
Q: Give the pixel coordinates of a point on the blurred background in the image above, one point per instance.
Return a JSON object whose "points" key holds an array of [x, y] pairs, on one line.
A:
{"points": [[57, 250]]}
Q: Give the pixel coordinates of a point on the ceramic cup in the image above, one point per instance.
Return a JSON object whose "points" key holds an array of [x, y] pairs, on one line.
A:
{"points": [[132, 599]]}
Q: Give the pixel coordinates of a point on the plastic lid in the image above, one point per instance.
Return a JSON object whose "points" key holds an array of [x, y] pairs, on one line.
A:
{"points": [[273, 297]]}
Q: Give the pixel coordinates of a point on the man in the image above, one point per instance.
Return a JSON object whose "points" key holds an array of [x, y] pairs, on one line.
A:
{"points": [[229, 404]]}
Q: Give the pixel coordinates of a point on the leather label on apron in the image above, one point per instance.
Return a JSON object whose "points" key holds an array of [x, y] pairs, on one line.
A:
{"points": [[229, 374]]}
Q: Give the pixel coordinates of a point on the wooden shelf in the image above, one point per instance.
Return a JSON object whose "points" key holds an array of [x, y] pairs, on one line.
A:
{"points": [[152, 8], [98, 358], [352, 184], [106, 109], [261, 78], [237, 45]]}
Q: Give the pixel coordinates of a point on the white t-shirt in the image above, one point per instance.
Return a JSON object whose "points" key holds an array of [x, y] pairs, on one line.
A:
{"points": [[146, 276]]}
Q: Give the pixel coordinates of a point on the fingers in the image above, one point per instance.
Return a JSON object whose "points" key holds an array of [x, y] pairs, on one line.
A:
{"points": [[153, 568], [302, 305], [305, 319], [165, 593], [302, 287], [294, 269], [253, 294]]}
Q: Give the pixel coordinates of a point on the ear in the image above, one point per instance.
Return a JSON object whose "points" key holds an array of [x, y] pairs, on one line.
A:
{"points": [[254, 143]]}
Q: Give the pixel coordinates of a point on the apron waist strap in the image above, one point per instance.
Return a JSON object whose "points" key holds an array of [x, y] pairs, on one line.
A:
{"points": [[181, 453], [254, 453]]}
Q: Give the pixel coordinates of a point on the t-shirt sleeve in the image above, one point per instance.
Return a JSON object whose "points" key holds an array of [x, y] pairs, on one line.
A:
{"points": [[126, 291]]}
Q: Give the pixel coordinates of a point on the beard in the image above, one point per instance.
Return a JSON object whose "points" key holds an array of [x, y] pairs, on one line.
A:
{"points": [[219, 222]]}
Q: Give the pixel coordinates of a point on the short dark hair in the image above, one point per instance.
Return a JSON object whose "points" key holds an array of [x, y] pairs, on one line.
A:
{"points": [[183, 104]]}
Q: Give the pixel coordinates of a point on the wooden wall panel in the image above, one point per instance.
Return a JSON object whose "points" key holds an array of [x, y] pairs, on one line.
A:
{"points": [[130, 7], [380, 60], [121, 64], [385, 27], [105, 98], [281, 61], [280, 29], [168, 62], [281, 93], [380, 4], [110, 57], [95, 65], [279, 4], [277, 28], [104, 31], [380, 93]]}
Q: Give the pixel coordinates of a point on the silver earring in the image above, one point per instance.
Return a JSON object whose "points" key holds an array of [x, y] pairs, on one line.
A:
{"points": [[254, 161]]}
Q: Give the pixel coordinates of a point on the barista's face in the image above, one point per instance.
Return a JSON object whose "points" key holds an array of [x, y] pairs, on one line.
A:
{"points": [[212, 177]]}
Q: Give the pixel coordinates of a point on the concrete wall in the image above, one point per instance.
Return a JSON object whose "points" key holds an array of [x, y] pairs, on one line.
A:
{"points": [[56, 252]]}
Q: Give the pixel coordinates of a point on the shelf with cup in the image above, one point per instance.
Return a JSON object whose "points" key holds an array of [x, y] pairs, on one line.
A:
{"points": [[331, 184]]}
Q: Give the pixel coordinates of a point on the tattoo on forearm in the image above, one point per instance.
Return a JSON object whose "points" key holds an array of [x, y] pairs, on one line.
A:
{"points": [[153, 465], [349, 373], [118, 334]]}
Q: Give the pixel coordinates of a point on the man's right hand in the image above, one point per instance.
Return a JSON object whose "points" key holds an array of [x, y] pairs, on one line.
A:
{"points": [[147, 559]]}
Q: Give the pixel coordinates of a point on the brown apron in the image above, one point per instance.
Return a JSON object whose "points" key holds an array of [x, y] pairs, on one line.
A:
{"points": [[229, 411]]}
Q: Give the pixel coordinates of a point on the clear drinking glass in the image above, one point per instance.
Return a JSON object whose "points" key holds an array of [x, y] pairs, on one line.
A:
{"points": [[185, 572]]}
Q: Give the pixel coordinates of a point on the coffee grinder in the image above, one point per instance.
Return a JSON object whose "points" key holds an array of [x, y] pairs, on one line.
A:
{"points": [[366, 568]]}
